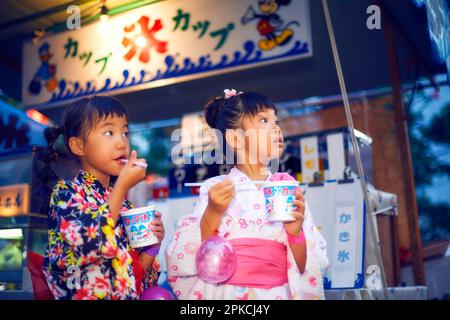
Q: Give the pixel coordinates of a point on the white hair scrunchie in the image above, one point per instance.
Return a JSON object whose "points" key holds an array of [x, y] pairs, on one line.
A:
{"points": [[230, 93]]}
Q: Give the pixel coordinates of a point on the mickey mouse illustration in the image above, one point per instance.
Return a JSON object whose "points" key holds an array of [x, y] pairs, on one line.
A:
{"points": [[270, 24], [45, 73]]}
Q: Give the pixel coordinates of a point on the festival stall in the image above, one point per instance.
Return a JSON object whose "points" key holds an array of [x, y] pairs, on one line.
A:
{"points": [[25, 186], [20, 229], [140, 56]]}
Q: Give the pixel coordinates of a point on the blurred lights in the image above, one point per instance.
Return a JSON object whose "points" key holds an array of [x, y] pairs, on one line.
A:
{"points": [[38, 117], [10, 234]]}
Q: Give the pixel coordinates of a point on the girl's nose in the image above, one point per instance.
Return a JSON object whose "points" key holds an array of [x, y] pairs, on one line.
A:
{"points": [[121, 143], [276, 127]]}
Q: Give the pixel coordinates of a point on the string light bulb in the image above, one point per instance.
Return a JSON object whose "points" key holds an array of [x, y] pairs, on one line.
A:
{"points": [[103, 25]]}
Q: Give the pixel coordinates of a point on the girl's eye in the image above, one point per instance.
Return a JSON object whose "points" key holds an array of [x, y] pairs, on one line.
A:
{"points": [[277, 122], [108, 133], [264, 120], [126, 134]]}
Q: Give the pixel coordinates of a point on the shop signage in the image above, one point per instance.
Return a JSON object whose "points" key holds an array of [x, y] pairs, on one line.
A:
{"points": [[163, 43], [17, 130], [14, 200]]}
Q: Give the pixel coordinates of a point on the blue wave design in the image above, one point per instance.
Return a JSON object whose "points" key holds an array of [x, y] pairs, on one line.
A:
{"points": [[359, 282], [326, 283], [172, 69]]}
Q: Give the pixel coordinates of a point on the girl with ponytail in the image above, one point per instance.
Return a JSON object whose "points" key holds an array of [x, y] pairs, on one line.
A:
{"points": [[88, 254], [47, 175], [274, 260]]}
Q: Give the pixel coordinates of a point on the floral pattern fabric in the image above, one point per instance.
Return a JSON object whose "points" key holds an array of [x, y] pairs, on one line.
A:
{"points": [[245, 217], [88, 257]]}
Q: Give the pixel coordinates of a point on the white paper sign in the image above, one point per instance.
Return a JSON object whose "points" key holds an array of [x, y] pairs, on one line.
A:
{"points": [[338, 212], [336, 155], [310, 158]]}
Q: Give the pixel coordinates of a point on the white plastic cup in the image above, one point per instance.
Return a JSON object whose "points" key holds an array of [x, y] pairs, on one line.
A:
{"points": [[138, 223], [279, 196]]}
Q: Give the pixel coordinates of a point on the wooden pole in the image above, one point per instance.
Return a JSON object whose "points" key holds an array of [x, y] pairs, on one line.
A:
{"points": [[395, 255], [405, 154]]}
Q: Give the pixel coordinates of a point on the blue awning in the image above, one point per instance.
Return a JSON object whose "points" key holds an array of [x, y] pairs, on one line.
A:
{"points": [[17, 130]]}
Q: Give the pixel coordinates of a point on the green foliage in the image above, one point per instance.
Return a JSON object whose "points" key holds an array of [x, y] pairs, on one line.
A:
{"points": [[434, 216], [439, 128], [435, 219]]}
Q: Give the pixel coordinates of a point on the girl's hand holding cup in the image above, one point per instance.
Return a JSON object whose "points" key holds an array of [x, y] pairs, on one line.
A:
{"points": [[158, 227], [294, 227]]}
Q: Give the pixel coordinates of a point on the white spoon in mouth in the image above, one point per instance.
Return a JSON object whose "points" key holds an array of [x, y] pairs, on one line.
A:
{"points": [[139, 164]]}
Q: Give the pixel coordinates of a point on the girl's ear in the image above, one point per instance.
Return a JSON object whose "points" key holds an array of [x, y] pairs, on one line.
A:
{"points": [[76, 146], [235, 138]]}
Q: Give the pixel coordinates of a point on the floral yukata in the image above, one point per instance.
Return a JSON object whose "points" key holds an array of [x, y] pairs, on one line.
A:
{"points": [[244, 218], [87, 256]]}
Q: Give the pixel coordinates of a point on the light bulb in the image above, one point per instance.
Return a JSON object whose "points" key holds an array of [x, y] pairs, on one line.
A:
{"points": [[141, 41], [103, 26], [104, 18]]}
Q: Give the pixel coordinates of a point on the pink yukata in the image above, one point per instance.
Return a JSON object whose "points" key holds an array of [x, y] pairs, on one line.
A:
{"points": [[245, 220]]}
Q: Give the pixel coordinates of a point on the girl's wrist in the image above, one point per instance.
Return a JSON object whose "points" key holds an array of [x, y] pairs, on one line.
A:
{"points": [[214, 217], [210, 210], [152, 250], [115, 202], [296, 239], [210, 227], [293, 227], [121, 187]]}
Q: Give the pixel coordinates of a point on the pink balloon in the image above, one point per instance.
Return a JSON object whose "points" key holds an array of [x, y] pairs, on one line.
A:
{"points": [[215, 260], [156, 293]]}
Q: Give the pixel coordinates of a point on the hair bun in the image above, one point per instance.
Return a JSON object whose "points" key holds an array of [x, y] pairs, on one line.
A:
{"points": [[212, 110]]}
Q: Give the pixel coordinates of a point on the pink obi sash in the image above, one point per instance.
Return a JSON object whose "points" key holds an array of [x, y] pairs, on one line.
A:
{"points": [[260, 263]]}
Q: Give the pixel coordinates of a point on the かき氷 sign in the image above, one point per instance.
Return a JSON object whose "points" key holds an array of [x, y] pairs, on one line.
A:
{"points": [[176, 40]]}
